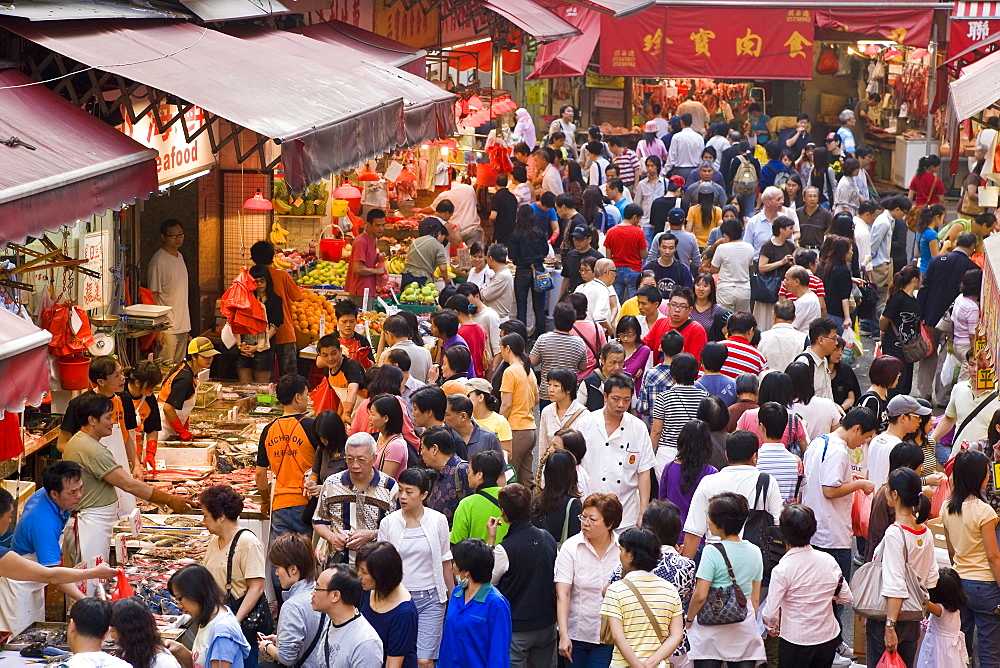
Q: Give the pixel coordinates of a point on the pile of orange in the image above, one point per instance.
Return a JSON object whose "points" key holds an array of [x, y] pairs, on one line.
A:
{"points": [[306, 314]]}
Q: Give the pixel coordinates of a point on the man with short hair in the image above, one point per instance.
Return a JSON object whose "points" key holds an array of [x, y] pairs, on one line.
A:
{"points": [[688, 252], [591, 390], [458, 416], [617, 194], [904, 419], [669, 272], [809, 260], [348, 641], [569, 219], [596, 292], [167, 278], [484, 316], [806, 304], [465, 224], [37, 537], [780, 344], [452, 484], [287, 446], [626, 246], [474, 512], [262, 253], [706, 175], [353, 503], [743, 356], [680, 304], [558, 349], [580, 236], [401, 360], [760, 228], [397, 336], [773, 457], [605, 272], [626, 159], [795, 139], [426, 253], [523, 566], [546, 218], [740, 477], [550, 180], [814, 220], [863, 180], [89, 621], [823, 341], [893, 209], [648, 300], [619, 452], [498, 294], [342, 372], [685, 149], [847, 121]]}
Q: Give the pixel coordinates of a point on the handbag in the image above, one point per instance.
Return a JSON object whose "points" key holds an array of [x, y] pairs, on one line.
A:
{"points": [[946, 325], [869, 601], [764, 288], [725, 605], [259, 619], [543, 280], [969, 206], [913, 350]]}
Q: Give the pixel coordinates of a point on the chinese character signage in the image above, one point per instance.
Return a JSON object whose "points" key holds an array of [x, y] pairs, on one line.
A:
{"points": [[414, 26], [750, 44], [178, 157], [964, 33], [94, 249]]}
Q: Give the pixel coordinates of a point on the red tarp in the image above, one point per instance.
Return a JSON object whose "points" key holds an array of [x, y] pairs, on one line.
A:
{"points": [[911, 27], [731, 42], [537, 21], [369, 45], [569, 57], [24, 353], [510, 61], [80, 167]]}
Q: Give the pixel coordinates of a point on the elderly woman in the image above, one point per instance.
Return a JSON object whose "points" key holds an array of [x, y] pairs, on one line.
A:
{"points": [[296, 642], [221, 506], [585, 563]]}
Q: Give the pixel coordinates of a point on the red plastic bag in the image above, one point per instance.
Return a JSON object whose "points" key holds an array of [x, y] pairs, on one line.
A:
{"points": [[940, 497], [57, 320], [861, 511], [827, 63], [891, 660], [240, 306], [123, 589]]}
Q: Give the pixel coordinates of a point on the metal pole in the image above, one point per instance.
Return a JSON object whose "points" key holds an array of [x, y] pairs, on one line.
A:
{"points": [[932, 87]]}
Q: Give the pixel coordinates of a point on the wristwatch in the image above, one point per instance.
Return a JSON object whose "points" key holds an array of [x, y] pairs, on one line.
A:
{"points": [[890, 623]]}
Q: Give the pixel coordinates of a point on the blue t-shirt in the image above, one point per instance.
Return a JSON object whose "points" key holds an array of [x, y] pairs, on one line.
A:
{"points": [[39, 530], [720, 386], [397, 629], [543, 219], [924, 244], [748, 566]]}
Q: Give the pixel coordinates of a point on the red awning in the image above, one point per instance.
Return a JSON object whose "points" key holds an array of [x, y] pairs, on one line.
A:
{"points": [[369, 45], [24, 354], [537, 21], [569, 57], [428, 110], [910, 26], [323, 119], [616, 8], [976, 10], [80, 166], [480, 56]]}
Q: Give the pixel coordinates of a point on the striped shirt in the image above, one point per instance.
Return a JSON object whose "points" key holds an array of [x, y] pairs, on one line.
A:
{"points": [[655, 382], [557, 350], [786, 468], [676, 407], [628, 165], [815, 284], [743, 358], [620, 603]]}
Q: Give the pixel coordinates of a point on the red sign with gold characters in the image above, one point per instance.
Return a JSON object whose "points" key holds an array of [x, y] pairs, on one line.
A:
{"points": [[678, 42]]}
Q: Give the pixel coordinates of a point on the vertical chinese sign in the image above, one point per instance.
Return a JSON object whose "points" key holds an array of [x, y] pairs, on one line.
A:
{"points": [[760, 43], [94, 249], [415, 26]]}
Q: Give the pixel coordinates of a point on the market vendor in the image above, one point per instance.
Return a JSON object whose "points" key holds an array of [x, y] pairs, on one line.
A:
{"points": [[109, 379], [343, 374], [367, 264], [179, 391], [143, 380], [427, 253], [262, 253], [102, 476], [38, 537], [358, 346], [465, 223]]}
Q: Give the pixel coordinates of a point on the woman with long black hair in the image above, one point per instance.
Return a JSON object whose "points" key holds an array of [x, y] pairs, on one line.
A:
{"points": [[926, 186], [528, 248], [835, 270], [134, 630], [219, 641], [900, 321], [518, 397], [652, 186], [556, 506], [574, 183], [681, 476]]}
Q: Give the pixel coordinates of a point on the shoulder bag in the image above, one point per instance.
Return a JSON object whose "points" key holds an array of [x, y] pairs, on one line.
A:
{"points": [[866, 585], [259, 619], [608, 639], [312, 644], [542, 280], [971, 416], [565, 527], [913, 350], [725, 605]]}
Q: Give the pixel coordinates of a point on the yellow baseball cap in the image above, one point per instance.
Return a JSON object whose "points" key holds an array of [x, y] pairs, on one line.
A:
{"points": [[202, 346]]}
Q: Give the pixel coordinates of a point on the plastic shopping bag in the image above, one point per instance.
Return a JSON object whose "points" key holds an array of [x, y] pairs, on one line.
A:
{"points": [[891, 660], [861, 511], [123, 589], [940, 497], [853, 349], [949, 371]]}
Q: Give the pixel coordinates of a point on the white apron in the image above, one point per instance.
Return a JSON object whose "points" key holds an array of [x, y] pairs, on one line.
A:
{"points": [[21, 603], [94, 527], [115, 443], [167, 432]]}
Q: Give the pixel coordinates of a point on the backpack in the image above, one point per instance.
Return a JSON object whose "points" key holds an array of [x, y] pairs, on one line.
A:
{"points": [[760, 529], [745, 179], [781, 178]]}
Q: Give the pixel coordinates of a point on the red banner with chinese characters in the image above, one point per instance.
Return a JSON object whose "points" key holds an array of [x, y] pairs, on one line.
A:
{"points": [[963, 33], [759, 43]]}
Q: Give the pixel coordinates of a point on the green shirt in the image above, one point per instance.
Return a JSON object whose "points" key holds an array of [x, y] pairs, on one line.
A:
{"points": [[425, 255], [472, 514], [96, 461]]}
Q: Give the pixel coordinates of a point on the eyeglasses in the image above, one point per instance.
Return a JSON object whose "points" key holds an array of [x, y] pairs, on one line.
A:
{"points": [[679, 307], [322, 589], [357, 460], [586, 520]]}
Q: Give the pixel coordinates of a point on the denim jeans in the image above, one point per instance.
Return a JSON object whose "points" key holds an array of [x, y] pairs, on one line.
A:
{"points": [[648, 231], [907, 633], [840, 322], [980, 614], [286, 520], [524, 283], [625, 283], [589, 655]]}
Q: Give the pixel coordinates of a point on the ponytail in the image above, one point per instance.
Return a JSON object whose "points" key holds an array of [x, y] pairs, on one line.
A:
{"points": [[921, 165], [516, 345], [905, 482]]}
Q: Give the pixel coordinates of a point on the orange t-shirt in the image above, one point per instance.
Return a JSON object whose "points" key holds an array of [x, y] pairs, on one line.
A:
{"points": [[289, 292], [287, 447]]}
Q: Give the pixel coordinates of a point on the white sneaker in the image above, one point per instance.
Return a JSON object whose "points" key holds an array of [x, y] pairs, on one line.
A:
{"points": [[844, 650], [841, 661]]}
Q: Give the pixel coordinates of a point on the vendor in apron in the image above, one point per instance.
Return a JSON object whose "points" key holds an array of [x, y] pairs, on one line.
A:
{"points": [[178, 394], [107, 375], [38, 537], [102, 477], [344, 381], [142, 382]]}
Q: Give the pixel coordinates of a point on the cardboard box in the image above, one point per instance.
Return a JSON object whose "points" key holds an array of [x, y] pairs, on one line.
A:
{"points": [[21, 490]]}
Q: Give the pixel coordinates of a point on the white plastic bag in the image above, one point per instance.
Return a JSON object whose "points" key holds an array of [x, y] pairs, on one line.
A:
{"points": [[949, 371]]}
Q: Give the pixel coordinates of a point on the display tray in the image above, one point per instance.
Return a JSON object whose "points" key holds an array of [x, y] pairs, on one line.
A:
{"points": [[419, 309], [51, 634]]}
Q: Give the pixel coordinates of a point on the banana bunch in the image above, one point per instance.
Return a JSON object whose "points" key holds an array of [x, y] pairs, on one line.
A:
{"points": [[280, 200], [279, 235], [281, 263], [395, 265], [451, 272]]}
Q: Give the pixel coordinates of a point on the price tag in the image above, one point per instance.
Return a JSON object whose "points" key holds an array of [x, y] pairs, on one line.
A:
{"points": [[322, 325], [121, 548], [464, 258], [985, 379], [391, 309], [135, 522]]}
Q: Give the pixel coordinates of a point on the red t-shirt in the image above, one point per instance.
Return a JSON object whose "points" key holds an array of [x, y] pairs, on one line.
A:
{"points": [[927, 189], [365, 250], [694, 335], [623, 242], [475, 337]]}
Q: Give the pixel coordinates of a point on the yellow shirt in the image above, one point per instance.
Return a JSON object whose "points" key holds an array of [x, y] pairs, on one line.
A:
{"points": [[965, 531], [524, 395], [620, 603], [498, 425], [700, 230], [629, 307]]}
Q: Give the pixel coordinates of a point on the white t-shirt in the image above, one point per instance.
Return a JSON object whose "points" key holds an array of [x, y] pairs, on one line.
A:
{"points": [[480, 278], [878, 457], [165, 659], [863, 238], [960, 406], [96, 660], [551, 181], [598, 301], [739, 479], [828, 465], [807, 309], [168, 277], [488, 319], [821, 415], [463, 196], [733, 259], [420, 358]]}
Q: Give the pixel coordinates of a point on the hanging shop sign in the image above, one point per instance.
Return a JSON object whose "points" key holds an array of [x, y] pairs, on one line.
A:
{"points": [[972, 22], [178, 158], [609, 99], [759, 43], [94, 249], [595, 80], [414, 26]]}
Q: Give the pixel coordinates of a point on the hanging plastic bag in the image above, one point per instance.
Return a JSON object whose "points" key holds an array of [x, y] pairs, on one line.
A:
{"points": [[853, 350], [891, 660], [861, 511], [941, 495], [65, 340], [123, 588], [827, 63], [949, 371]]}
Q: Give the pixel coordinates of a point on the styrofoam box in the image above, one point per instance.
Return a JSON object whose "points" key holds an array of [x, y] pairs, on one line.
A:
{"points": [[21, 490], [148, 310], [183, 458]]}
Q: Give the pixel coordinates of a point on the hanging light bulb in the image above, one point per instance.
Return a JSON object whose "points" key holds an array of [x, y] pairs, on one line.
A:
{"points": [[258, 203]]}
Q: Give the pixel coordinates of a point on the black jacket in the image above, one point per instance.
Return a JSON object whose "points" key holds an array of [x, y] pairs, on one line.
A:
{"points": [[595, 391], [942, 284], [528, 584]]}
